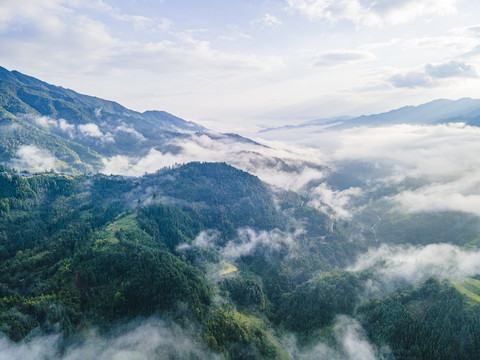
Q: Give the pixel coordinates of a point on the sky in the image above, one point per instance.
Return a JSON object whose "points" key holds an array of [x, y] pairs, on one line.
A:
{"points": [[244, 65]]}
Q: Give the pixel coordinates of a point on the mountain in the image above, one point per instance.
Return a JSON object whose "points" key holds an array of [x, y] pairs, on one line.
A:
{"points": [[101, 250], [78, 129], [439, 111]]}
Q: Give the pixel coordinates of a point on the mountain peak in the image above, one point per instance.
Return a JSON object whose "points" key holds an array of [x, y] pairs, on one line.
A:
{"points": [[76, 128]]}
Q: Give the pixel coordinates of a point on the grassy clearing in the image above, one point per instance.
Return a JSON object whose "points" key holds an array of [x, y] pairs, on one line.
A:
{"points": [[229, 269], [123, 222], [474, 244], [470, 288]]}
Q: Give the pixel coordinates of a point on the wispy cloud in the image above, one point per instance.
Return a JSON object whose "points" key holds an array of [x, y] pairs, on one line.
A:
{"points": [[246, 242], [130, 130], [326, 199], [152, 338], [434, 74], [66, 127], [52, 124], [351, 340], [267, 20], [394, 265], [273, 165], [461, 194], [93, 131], [340, 57], [32, 158], [371, 13]]}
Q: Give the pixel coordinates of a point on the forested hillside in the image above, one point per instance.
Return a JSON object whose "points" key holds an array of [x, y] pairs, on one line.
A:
{"points": [[238, 266], [39, 119]]}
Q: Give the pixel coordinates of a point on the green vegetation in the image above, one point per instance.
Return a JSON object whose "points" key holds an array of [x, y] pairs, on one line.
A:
{"points": [[470, 288], [315, 303], [84, 252], [97, 251], [431, 321], [34, 113], [229, 269]]}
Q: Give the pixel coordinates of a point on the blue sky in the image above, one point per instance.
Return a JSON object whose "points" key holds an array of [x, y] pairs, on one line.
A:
{"points": [[242, 65]]}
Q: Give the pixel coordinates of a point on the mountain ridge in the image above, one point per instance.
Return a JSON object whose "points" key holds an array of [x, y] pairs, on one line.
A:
{"points": [[58, 120], [437, 111]]}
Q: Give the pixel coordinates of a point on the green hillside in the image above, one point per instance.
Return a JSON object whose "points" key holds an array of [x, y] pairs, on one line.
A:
{"points": [[213, 249], [470, 288], [77, 130]]}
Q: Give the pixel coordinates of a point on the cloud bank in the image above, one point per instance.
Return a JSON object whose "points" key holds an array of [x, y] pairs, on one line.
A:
{"points": [[82, 130], [246, 242], [273, 165], [434, 75], [152, 339], [30, 157], [443, 158], [393, 265]]}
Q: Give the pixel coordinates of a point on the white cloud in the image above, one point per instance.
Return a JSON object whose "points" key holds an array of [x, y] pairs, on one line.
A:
{"points": [[45, 347], [462, 194], [130, 130], [45, 121], [444, 157], [32, 158], [271, 20], [93, 131], [53, 124], [433, 74], [66, 127], [143, 22], [267, 20], [249, 240], [337, 200], [371, 13], [353, 339], [245, 243], [439, 151], [204, 239], [391, 264], [150, 339], [274, 166]]}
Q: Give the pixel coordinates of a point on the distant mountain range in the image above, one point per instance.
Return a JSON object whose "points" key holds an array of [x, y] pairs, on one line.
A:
{"points": [[439, 111]]}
